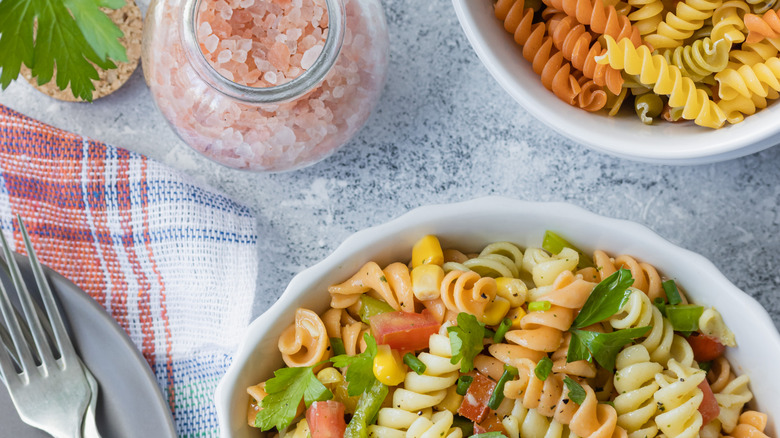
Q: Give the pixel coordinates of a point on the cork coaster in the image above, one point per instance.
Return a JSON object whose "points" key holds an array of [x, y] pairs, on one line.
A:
{"points": [[130, 21]]}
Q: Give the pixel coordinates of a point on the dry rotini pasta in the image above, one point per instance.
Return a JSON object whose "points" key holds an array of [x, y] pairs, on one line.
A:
{"points": [[658, 56], [501, 348]]}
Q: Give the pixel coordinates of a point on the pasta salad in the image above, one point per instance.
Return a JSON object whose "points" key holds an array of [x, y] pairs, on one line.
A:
{"points": [[542, 342], [709, 61]]}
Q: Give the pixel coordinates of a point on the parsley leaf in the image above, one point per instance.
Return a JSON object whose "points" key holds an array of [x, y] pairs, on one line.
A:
{"points": [[58, 41], [543, 368], [606, 299], [285, 391], [360, 368], [466, 341], [604, 347], [576, 392]]}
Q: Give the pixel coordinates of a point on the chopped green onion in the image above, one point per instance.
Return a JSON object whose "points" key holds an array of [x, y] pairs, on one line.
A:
{"points": [[553, 243], [371, 306], [366, 411], [539, 306], [543, 368], [497, 396], [670, 287], [338, 346], [504, 327], [684, 317], [576, 392], [660, 303], [463, 384], [415, 364], [489, 333], [465, 425], [705, 366]]}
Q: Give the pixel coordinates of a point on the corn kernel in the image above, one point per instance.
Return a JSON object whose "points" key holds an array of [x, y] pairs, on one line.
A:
{"points": [[329, 375], [388, 366], [427, 251], [516, 314], [426, 281], [495, 311], [512, 289]]}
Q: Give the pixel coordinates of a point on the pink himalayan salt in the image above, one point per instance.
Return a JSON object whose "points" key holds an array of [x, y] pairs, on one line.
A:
{"points": [[288, 34], [274, 137]]}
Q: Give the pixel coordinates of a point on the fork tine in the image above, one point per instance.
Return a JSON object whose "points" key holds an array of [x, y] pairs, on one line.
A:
{"points": [[34, 324], [54, 322], [7, 343], [22, 350]]}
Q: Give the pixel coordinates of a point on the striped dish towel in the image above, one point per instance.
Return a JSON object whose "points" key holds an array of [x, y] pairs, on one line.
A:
{"points": [[174, 263]]}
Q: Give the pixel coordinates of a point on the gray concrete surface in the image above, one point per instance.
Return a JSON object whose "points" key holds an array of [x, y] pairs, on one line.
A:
{"points": [[445, 131]]}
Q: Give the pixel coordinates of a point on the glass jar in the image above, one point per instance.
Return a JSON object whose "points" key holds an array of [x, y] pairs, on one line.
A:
{"points": [[285, 126]]}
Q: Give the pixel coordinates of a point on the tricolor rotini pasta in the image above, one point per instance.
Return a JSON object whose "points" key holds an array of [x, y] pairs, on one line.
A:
{"points": [[708, 61], [535, 342]]}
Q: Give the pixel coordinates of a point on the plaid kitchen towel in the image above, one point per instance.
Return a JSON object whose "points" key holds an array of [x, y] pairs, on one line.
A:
{"points": [[174, 263]]}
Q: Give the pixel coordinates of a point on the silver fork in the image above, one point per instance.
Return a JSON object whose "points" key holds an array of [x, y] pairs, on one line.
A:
{"points": [[52, 396]]}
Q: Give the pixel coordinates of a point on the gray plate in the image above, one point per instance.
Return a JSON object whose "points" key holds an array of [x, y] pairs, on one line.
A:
{"points": [[130, 403]]}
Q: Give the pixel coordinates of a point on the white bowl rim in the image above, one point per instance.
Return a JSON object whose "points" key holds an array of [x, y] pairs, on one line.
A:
{"points": [[364, 238], [724, 148]]}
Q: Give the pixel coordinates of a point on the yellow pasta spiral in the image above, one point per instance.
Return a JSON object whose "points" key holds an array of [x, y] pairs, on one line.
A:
{"points": [[524, 422], [727, 21], [635, 384], [701, 58], [500, 259], [305, 342], [679, 398], [689, 16], [393, 285], [647, 15], [748, 80], [640, 312]]}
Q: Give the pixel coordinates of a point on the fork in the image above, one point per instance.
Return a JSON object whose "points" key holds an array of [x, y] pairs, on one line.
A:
{"points": [[52, 394]]}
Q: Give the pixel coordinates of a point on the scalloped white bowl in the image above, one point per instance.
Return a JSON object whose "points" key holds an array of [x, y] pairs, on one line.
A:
{"points": [[623, 136], [470, 226]]}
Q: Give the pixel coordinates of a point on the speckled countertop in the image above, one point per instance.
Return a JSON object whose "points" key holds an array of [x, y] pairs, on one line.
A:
{"points": [[445, 131]]}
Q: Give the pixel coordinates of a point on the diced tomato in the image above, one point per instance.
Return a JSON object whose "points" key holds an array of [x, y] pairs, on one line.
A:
{"points": [[705, 348], [475, 403], [491, 423], [404, 330], [708, 408], [326, 419]]}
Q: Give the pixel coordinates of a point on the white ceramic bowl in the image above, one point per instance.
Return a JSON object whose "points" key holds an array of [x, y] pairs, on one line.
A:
{"points": [[470, 226], [623, 136]]}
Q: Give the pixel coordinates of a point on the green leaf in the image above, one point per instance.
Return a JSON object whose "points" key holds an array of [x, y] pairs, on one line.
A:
{"points": [[672, 293], [360, 368], [466, 341], [578, 350], [607, 298], [604, 347], [543, 368], [285, 391], [553, 243], [98, 30], [576, 392], [17, 20], [489, 435]]}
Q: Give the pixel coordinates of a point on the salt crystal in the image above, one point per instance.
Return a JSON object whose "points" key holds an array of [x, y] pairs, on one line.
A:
{"points": [[338, 92], [239, 56], [204, 30], [284, 136], [211, 43], [229, 44], [270, 77], [224, 56], [246, 3], [310, 57], [226, 13]]}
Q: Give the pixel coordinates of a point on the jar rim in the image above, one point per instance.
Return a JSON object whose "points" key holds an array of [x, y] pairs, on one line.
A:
{"points": [[297, 87]]}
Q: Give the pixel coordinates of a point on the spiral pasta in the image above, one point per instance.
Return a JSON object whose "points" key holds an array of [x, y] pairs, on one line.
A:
{"points": [[640, 312], [748, 80], [602, 18], [635, 384], [538, 49], [647, 15], [679, 398], [545, 268], [680, 25], [340, 324], [728, 22], [305, 342], [765, 26], [701, 58], [731, 393], [392, 285], [667, 79], [468, 292], [646, 277], [524, 422], [500, 259], [751, 425]]}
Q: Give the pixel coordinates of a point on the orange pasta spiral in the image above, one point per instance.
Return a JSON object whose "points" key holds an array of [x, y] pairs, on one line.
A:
{"points": [[574, 41], [766, 26], [468, 292], [305, 342], [601, 18], [751, 425], [538, 49], [646, 277], [393, 285]]}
